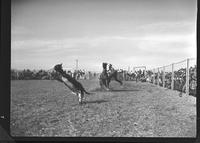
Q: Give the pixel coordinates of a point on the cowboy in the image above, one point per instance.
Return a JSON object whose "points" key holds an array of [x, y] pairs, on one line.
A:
{"points": [[105, 74], [110, 69]]}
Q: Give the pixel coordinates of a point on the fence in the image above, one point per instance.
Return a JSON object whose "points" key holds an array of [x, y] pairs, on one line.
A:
{"points": [[179, 76]]}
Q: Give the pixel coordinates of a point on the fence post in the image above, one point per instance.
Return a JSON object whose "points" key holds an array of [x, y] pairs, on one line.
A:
{"points": [[158, 77], [123, 73], [153, 76], [187, 78], [172, 78], [17, 75], [163, 77]]}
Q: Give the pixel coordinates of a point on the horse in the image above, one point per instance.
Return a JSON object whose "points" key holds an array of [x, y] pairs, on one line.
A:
{"points": [[115, 75], [76, 87], [105, 78]]}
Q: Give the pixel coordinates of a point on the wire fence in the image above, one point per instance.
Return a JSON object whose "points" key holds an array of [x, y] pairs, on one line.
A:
{"points": [[179, 76]]}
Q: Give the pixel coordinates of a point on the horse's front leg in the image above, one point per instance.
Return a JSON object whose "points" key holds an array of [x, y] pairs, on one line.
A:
{"points": [[101, 83], [107, 83]]}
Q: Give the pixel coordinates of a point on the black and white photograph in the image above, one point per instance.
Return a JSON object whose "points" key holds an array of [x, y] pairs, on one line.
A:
{"points": [[103, 68]]}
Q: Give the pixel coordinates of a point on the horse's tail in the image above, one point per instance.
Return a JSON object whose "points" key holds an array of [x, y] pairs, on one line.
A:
{"points": [[86, 91], [89, 93]]}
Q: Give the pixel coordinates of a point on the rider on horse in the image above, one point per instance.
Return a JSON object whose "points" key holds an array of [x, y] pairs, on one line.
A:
{"points": [[110, 69], [106, 78]]}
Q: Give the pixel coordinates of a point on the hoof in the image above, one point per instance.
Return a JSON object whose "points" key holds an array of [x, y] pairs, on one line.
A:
{"points": [[107, 89]]}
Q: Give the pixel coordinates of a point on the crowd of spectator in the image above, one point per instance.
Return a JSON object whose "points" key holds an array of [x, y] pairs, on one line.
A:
{"points": [[28, 74]]}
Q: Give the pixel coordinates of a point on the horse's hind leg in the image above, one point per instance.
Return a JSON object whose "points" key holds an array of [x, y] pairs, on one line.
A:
{"points": [[107, 83], [118, 80], [80, 98]]}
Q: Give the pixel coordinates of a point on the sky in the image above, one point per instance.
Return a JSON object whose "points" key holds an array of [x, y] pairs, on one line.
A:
{"points": [[125, 33]]}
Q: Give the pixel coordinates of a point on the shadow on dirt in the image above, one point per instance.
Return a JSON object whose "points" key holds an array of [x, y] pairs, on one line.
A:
{"points": [[96, 101], [114, 90], [123, 90]]}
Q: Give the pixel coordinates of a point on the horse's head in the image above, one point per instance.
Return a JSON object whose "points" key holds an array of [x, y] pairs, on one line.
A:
{"points": [[58, 67]]}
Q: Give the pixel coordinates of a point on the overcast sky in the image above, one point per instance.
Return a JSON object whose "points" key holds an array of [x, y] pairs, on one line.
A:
{"points": [[122, 32]]}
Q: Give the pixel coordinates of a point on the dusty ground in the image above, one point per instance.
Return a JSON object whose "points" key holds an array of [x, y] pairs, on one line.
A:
{"points": [[47, 108]]}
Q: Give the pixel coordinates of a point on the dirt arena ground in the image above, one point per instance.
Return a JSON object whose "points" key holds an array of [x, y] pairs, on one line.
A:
{"points": [[48, 108]]}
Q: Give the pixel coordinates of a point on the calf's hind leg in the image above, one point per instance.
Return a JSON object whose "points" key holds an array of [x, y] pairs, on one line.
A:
{"points": [[118, 80], [80, 97]]}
